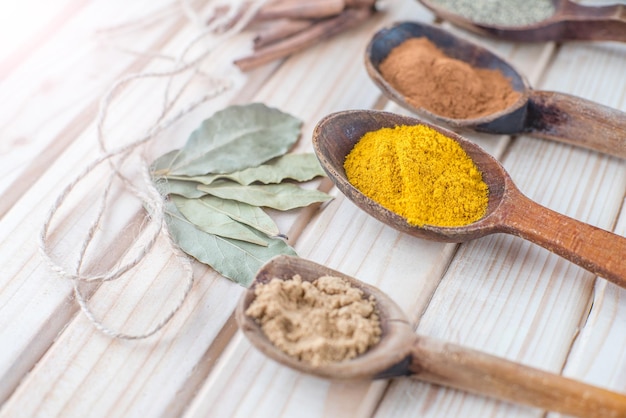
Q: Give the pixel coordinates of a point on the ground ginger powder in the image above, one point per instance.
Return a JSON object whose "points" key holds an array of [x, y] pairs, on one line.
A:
{"points": [[420, 174], [319, 322]]}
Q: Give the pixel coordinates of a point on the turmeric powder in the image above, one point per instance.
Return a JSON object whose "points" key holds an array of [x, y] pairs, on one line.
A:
{"points": [[420, 174]]}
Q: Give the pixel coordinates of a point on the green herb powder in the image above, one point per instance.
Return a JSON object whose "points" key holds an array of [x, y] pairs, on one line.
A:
{"points": [[500, 12]]}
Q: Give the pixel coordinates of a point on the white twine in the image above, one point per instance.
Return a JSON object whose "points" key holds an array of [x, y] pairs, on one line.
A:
{"points": [[154, 225]]}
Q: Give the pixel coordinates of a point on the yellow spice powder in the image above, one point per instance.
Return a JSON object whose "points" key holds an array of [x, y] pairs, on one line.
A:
{"points": [[323, 321], [420, 174]]}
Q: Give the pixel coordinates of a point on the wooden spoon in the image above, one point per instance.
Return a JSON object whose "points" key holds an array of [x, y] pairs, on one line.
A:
{"points": [[570, 22], [401, 352], [509, 211], [543, 114]]}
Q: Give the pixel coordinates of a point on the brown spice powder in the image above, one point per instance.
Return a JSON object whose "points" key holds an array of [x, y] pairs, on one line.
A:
{"points": [[323, 321], [445, 86]]}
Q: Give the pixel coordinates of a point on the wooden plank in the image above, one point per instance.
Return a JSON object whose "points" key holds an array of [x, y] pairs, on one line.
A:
{"points": [[84, 372], [36, 304], [63, 82], [597, 353], [24, 31], [47, 296]]}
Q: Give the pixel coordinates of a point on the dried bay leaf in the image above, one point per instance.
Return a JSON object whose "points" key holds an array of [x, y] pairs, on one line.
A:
{"points": [[252, 216], [298, 167], [232, 139], [237, 260], [284, 196], [161, 165], [231, 167], [209, 220]]}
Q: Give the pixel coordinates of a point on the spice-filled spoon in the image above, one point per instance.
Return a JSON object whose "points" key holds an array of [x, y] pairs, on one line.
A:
{"points": [[544, 114], [508, 210], [400, 352], [537, 21]]}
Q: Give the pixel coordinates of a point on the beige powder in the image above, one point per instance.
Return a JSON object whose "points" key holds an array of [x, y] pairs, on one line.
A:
{"points": [[323, 321]]}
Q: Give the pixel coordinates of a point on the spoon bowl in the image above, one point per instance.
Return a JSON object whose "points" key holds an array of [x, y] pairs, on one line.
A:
{"points": [[508, 210], [401, 352], [508, 120], [397, 334], [550, 115], [336, 135], [570, 22]]}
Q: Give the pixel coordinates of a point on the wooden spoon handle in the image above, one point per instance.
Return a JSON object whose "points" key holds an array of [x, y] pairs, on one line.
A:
{"points": [[566, 118], [596, 250], [473, 371], [592, 23]]}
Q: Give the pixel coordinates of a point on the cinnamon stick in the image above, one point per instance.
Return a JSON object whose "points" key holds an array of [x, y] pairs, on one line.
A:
{"points": [[299, 9], [279, 30], [321, 30], [359, 3]]}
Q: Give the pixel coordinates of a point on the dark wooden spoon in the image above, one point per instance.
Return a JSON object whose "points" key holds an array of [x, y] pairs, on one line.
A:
{"points": [[508, 211], [570, 22], [543, 114], [401, 352]]}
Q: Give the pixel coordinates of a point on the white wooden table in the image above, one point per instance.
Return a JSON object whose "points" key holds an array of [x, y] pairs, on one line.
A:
{"points": [[498, 294]]}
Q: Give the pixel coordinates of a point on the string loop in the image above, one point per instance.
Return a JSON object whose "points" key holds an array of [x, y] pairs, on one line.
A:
{"points": [[218, 28]]}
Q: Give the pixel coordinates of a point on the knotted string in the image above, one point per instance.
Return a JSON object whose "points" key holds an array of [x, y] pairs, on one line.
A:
{"points": [[221, 27]]}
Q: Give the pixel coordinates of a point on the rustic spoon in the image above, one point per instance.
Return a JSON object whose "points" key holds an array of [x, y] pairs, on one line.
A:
{"points": [[509, 211], [401, 352], [551, 115], [570, 22]]}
